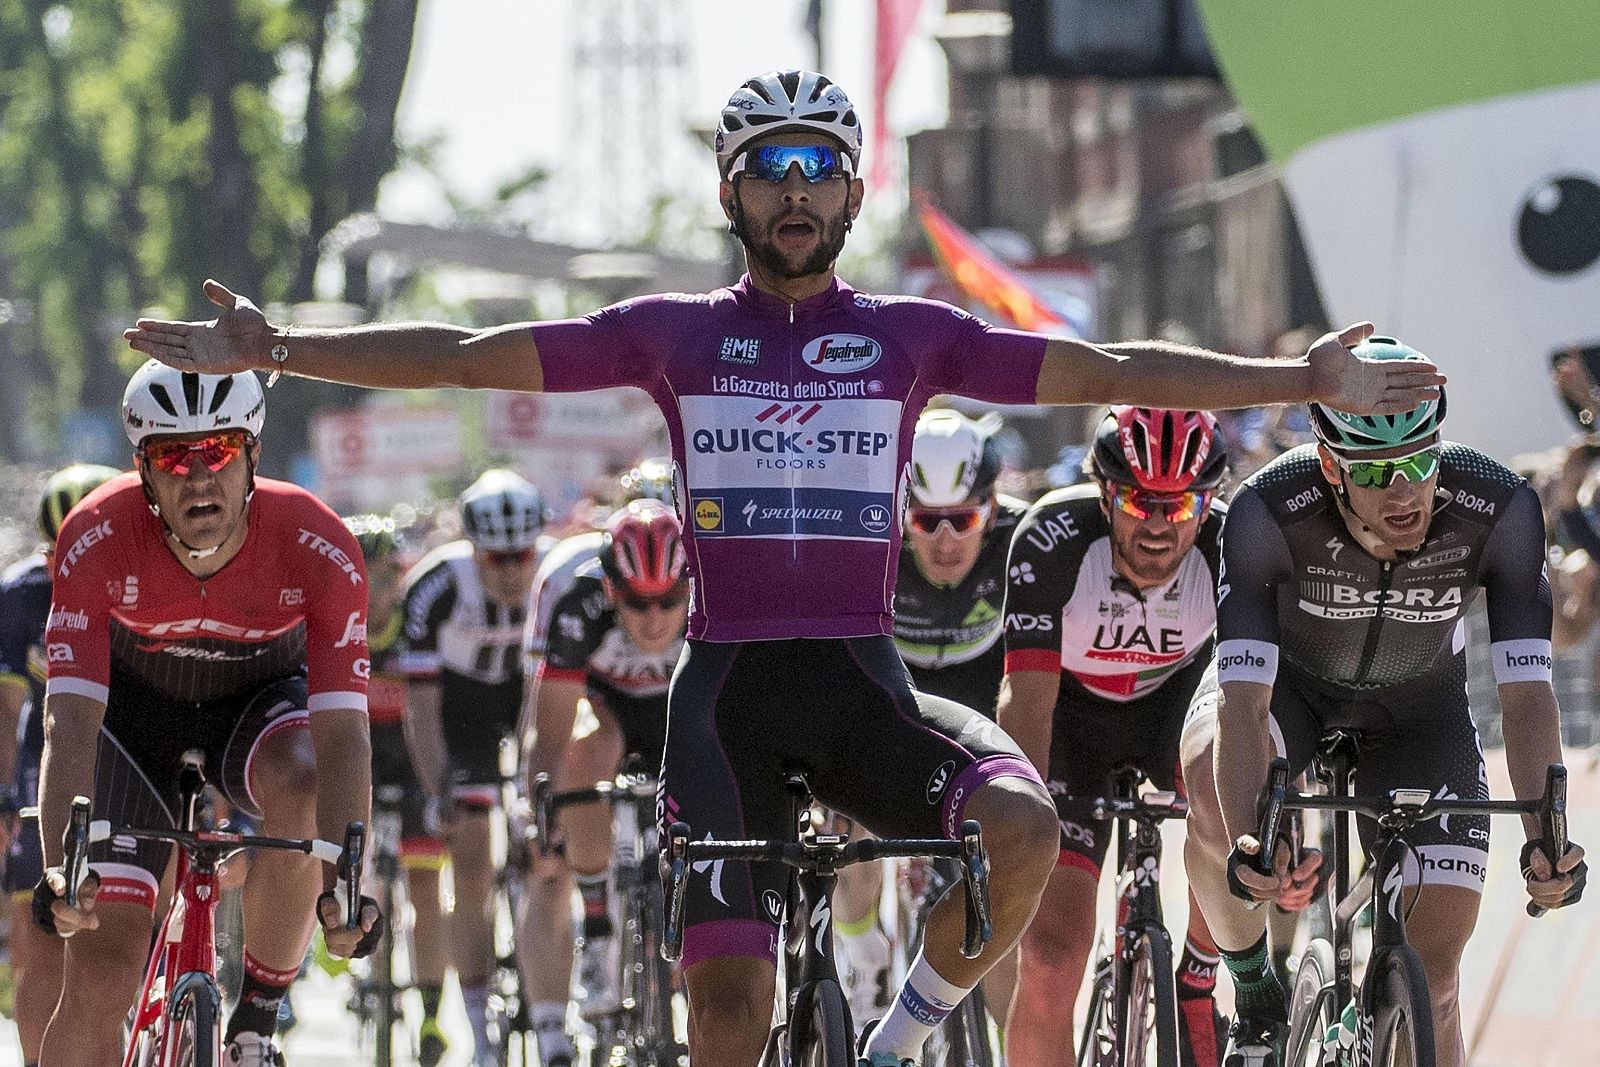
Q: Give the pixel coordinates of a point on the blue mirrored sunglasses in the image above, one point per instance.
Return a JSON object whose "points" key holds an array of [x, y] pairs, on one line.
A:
{"points": [[771, 163]]}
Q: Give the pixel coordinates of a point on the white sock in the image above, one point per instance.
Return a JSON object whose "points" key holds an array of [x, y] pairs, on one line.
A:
{"points": [[924, 1001], [475, 998]]}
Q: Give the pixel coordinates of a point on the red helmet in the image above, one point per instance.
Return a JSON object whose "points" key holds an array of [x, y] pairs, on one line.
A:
{"points": [[643, 552], [1160, 449]]}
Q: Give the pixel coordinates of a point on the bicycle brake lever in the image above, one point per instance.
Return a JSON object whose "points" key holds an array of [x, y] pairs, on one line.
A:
{"points": [[975, 874], [1553, 814], [677, 854]]}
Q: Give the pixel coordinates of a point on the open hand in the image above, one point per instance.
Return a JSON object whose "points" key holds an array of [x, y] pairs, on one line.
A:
{"points": [[1357, 386], [239, 338]]}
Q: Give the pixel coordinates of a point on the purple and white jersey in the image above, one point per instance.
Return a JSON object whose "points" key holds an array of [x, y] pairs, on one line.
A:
{"points": [[791, 430]]}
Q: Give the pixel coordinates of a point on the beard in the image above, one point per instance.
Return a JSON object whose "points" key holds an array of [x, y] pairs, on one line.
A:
{"points": [[1141, 564], [830, 242]]}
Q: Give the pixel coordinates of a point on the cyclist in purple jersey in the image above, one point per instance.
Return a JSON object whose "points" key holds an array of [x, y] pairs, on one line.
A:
{"points": [[789, 399]]}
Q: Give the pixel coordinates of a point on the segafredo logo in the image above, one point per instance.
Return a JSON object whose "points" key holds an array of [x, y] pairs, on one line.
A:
{"points": [[841, 353]]}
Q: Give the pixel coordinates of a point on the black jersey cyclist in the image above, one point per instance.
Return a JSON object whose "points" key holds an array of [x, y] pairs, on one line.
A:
{"points": [[615, 637], [1110, 613], [24, 610], [1347, 569], [790, 399], [950, 589], [465, 605]]}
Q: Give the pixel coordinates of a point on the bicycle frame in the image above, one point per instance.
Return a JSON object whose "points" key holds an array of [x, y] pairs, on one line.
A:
{"points": [[184, 956], [1381, 885]]}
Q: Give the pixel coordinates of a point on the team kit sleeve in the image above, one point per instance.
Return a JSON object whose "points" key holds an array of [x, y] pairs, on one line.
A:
{"points": [[338, 662], [1516, 585], [606, 348], [571, 640], [981, 361], [1034, 601], [1255, 559], [78, 634], [14, 636], [429, 599]]}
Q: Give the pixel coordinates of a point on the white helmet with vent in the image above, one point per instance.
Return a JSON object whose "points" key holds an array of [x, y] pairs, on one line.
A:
{"points": [[953, 458], [160, 400], [782, 101], [503, 512]]}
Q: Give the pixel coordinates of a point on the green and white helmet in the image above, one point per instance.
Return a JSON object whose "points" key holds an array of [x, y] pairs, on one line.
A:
{"points": [[1344, 432], [953, 458]]}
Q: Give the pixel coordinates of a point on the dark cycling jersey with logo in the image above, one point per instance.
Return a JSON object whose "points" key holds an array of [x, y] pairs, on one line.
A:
{"points": [[556, 571], [1068, 610], [586, 644], [950, 637], [1295, 583], [294, 600], [24, 608], [1129, 660], [791, 425], [1378, 648]]}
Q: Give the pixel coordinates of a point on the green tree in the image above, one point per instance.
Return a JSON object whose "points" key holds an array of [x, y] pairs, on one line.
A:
{"points": [[146, 144]]}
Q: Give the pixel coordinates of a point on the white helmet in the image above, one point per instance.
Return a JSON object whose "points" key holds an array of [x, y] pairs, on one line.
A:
{"points": [[787, 100], [953, 457], [502, 512], [160, 400]]}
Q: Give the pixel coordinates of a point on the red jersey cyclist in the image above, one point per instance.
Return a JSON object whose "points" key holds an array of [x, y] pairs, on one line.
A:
{"points": [[197, 606]]}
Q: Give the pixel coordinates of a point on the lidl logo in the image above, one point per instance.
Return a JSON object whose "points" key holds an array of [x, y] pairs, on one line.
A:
{"points": [[708, 513]]}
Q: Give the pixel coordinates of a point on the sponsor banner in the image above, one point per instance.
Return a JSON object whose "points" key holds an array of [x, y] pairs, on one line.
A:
{"points": [[803, 445], [1369, 611], [802, 513]]}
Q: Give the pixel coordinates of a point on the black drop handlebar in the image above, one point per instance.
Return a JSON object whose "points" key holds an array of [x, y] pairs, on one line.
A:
{"points": [[1400, 808], [826, 853]]}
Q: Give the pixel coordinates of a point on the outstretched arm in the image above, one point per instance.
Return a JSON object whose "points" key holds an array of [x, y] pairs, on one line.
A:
{"points": [[412, 355], [1157, 374]]}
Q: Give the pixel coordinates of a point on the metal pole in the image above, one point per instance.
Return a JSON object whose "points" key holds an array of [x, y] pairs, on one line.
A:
{"points": [[819, 23]]}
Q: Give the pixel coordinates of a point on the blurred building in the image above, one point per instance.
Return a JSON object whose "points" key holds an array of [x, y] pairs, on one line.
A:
{"points": [[1157, 182]]}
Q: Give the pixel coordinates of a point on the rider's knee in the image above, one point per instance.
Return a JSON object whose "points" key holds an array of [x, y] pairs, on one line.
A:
{"points": [[286, 783], [1019, 824], [105, 984], [1055, 946], [724, 1015]]}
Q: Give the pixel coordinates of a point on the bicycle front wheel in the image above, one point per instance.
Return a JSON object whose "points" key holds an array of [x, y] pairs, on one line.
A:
{"points": [[826, 1039], [1311, 1008], [1150, 1005], [191, 1023], [1400, 1008]]}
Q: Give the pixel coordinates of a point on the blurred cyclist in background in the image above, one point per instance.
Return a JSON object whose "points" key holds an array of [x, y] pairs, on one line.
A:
{"points": [[464, 610], [24, 610], [394, 779], [615, 637]]}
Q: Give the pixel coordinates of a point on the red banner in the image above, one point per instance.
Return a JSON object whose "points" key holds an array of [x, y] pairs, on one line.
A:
{"points": [[896, 18], [978, 274]]}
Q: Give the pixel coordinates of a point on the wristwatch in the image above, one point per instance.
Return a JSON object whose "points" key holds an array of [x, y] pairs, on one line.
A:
{"points": [[280, 356]]}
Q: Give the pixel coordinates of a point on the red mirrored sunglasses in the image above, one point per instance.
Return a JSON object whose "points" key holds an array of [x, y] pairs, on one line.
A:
{"points": [[963, 522], [178, 457], [515, 557]]}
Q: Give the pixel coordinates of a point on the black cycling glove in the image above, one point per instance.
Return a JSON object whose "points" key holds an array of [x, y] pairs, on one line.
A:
{"points": [[44, 896], [369, 940], [1578, 874]]}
